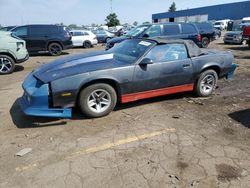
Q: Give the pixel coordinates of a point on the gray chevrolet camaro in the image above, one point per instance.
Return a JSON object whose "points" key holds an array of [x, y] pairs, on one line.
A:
{"points": [[133, 70]]}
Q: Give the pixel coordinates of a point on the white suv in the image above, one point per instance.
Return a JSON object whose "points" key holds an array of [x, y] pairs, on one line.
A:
{"points": [[83, 38]]}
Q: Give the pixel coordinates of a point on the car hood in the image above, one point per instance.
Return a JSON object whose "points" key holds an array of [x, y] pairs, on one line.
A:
{"points": [[233, 33], [77, 64]]}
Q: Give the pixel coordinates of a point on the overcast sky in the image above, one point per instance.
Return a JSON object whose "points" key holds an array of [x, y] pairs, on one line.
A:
{"points": [[84, 12]]}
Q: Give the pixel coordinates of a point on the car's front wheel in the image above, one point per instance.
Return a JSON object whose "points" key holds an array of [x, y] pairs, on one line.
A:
{"points": [[206, 83], [7, 64], [97, 100], [55, 49]]}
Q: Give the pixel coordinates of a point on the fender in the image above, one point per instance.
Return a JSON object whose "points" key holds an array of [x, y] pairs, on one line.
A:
{"points": [[8, 52]]}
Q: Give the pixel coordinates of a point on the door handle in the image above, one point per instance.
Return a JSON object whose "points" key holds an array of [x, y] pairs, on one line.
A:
{"points": [[186, 65]]}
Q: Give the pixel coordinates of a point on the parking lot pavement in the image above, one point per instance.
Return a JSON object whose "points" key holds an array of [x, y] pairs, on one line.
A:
{"points": [[171, 141]]}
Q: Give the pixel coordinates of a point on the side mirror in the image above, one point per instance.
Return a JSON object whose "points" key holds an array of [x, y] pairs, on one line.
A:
{"points": [[146, 61]]}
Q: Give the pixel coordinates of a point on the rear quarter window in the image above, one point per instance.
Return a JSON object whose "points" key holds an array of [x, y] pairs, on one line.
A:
{"points": [[188, 29], [171, 29]]}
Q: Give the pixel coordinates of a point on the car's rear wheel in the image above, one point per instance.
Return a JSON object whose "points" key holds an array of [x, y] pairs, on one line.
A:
{"points": [[97, 100], [87, 44], [55, 49], [7, 64], [205, 42], [206, 83]]}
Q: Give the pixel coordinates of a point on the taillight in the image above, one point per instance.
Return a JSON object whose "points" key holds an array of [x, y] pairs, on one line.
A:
{"points": [[199, 37]]}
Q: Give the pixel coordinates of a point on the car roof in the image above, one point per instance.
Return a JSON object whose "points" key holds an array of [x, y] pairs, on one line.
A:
{"points": [[192, 48], [79, 30]]}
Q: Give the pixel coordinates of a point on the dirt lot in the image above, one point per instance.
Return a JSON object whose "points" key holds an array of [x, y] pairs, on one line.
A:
{"points": [[171, 141]]}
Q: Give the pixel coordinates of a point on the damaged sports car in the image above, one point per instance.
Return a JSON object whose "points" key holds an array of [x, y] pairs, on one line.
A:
{"points": [[133, 70]]}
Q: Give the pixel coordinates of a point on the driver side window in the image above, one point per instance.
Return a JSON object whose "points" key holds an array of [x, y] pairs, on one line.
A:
{"points": [[168, 52]]}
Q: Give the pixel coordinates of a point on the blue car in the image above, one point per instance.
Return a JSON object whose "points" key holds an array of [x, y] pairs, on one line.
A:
{"points": [[133, 70]]}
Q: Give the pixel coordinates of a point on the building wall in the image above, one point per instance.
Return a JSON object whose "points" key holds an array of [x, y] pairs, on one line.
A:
{"points": [[233, 11]]}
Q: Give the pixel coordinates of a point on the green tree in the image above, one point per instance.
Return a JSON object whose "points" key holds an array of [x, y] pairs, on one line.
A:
{"points": [[72, 26], [172, 8], [112, 20], [135, 23]]}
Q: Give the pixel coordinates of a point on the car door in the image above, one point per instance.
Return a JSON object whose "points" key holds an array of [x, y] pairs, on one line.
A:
{"points": [[171, 67], [77, 38], [38, 36]]}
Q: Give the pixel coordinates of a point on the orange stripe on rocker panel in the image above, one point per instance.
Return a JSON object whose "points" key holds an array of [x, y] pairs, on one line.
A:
{"points": [[155, 93]]}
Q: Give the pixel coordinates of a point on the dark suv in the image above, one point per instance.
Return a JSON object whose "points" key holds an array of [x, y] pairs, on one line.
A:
{"points": [[166, 30], [51, 38]]}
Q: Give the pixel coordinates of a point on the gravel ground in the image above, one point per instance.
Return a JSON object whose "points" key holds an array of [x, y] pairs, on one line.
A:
{"points": [[171, 141]]}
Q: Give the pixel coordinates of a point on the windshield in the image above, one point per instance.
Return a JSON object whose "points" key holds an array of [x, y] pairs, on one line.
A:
{"points": [[238, 28], [130, 50], [136, 31]]}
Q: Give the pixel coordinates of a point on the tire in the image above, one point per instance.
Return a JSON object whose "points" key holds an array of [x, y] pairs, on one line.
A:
{"points": [[87, 44], [7, 64], [103, 97], [55, 49], [206, 83], [107, 39], [249, 44], [205, 42]]}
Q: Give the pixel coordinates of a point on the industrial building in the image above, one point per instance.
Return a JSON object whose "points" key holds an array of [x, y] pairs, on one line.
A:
{"points": [[232, 11]]}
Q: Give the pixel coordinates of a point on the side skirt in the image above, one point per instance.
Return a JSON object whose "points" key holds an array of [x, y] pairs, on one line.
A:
{"points": [[155, 93]]}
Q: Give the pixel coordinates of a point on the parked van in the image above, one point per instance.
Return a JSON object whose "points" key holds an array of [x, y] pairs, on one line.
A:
{"points": [[221, 24], [246, 20]]}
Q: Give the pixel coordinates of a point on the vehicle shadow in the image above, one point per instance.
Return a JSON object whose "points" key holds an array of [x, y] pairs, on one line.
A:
{"points": [[22, 121], [46, 54], [242, 117], [239, 48], [18, 68]]}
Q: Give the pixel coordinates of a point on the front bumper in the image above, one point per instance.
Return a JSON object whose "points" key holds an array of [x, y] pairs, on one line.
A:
{"points": [[233, 40], [231, 72], [23, 60], [35, 100]]}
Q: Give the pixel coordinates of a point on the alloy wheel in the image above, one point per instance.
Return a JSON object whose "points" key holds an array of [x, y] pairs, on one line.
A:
{"points": [[5, 65], [207, 84], [99, 101]]}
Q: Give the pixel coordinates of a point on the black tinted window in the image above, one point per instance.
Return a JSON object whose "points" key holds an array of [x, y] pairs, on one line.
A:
{"points": [[38, 30], [21, 31], [171, 29], [188, 28], [55, 29], [77, 33]]}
